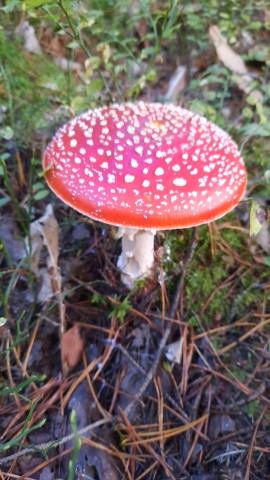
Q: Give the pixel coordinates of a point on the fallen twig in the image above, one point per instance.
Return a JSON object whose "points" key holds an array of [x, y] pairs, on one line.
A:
{"points": [[56, 443], [252, 444]]}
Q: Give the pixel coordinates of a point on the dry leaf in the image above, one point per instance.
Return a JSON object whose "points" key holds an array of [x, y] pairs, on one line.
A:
{"points": [[46, 474], [140, 335], [259, 225], [177, 84], [174, 351], [258, 217], [45, 232], [72, 347], [220, 425], [27, 33], [263, 238], [67, 64], [235, 63], [46, 289]]}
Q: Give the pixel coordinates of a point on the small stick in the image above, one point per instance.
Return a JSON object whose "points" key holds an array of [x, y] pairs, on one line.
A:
{"points": [[252, 444], [56, 443]]}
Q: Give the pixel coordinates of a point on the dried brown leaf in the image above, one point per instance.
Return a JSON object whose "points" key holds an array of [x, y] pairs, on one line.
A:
{"points": [[235, 63], [263, 238], [45, 232], [220, 425], [72, 347], [27, 33], [46, 474], [67, 64], [177, 84], [174, 351]]}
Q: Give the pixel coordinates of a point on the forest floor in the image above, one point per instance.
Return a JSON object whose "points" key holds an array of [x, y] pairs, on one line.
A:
{"points": [[170, 380]]}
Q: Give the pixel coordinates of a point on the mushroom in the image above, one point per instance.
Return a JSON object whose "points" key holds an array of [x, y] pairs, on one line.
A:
{"points": [[143, 167]]}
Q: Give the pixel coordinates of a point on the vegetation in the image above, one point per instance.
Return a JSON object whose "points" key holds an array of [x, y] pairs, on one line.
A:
{"points": [[75, 348]]}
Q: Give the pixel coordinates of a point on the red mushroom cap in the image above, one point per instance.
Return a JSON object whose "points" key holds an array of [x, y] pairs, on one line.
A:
{"points": [[145, 166]]}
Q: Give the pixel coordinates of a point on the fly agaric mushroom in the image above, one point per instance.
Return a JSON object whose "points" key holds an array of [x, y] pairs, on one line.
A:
{"points": [[144, 167]]}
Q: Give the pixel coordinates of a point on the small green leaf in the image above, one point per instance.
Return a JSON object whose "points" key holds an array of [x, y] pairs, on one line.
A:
{"points": [[258, 217], [77, 445], [11, 4], [37, 3], [43, 173], [120, 310], [41, 194], [254, 129], [94, 86], [119, 68], [267, 261], [86, 23], [7, 133], [167, 367], [73, 45], [79, 103], [38, 186], [22, 385], [105, 50], [4, 201], [3, 320]]}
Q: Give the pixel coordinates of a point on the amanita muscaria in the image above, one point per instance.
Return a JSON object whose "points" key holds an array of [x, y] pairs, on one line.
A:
{"points": [[143, 167]]}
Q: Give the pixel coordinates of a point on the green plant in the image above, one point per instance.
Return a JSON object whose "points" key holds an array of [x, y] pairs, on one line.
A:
{"points": [[120, 308], [26, 428], [232, 17], [111, 49], [77, 445]]}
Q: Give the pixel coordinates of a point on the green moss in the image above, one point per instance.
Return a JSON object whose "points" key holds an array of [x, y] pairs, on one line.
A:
{"points": [[200, 284], [250, 296], [207, 274], [234, 238], [239, 373], [253, 409]]}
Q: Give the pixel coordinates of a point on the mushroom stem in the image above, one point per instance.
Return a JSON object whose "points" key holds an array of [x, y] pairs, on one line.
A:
{"points": [[137, 257]]}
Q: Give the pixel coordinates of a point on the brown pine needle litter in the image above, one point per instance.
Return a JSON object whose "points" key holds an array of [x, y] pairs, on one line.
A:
{"points": [[154, 436]]}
